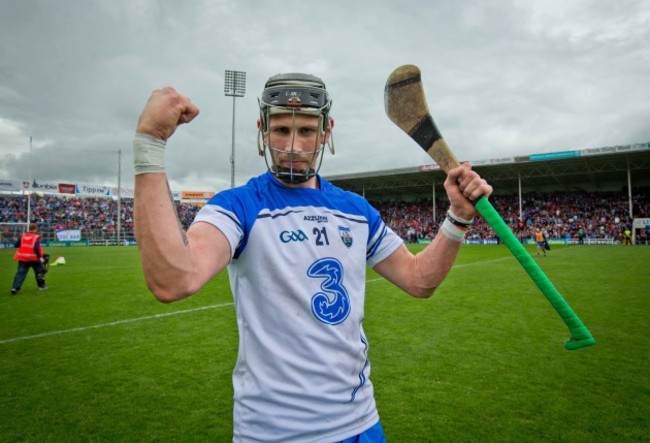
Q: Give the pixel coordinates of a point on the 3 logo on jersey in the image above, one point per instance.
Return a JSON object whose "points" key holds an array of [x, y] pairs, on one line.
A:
{"points": [[332, 304]]}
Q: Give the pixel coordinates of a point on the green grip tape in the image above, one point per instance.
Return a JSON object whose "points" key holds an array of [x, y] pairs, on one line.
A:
{"points": [[580, 335]]}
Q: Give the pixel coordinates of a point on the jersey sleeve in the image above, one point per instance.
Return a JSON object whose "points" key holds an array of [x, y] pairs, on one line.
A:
{"points": [[382, 240], [222, 212]]}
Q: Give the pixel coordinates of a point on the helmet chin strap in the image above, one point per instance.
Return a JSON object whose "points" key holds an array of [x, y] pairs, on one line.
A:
{"points": [[291, 177]]}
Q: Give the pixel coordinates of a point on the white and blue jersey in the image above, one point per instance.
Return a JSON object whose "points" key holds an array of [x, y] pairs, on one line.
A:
{"points": [[298, 275]]}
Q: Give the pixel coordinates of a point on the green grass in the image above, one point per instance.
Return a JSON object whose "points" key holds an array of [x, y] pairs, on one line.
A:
{"points": [[96, 358]]}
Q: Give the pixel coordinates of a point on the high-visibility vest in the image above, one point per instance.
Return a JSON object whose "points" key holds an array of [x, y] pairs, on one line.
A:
{"points": [[26, 250]]}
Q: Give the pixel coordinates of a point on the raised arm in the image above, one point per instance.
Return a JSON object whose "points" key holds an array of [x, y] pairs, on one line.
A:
{"points": [[175, 263], [420, 275]]}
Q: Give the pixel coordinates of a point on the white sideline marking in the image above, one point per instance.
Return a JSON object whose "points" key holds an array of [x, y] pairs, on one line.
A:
{"points": [[114, 323], [484, 261]]}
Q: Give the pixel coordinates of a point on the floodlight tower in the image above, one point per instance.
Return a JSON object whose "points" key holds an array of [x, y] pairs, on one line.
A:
{"points": [[235, 86]]}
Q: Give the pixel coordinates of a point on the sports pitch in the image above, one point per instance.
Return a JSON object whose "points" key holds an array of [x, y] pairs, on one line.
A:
{"points": [[96, 358]]}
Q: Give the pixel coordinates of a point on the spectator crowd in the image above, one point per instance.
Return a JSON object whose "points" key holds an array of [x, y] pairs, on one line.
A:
{"points": [[95, 217], [559, 214]]}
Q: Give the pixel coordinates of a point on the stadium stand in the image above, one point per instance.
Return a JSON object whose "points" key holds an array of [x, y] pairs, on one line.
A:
{"points": [[560, 192], [95, 217], [600, 214], [561, 214]]}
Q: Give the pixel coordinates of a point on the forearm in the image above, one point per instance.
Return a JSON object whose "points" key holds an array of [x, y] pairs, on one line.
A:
{"points": [[420, 275], [433, 263], [164, 247], [436, 260]]}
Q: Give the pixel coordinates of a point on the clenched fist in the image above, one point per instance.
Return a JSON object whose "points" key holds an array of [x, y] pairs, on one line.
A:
{"points": [[164, 111]]}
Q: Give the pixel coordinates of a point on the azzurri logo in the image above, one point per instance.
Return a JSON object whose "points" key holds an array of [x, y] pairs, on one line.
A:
{"points": [[289, 236], [315, 218]]}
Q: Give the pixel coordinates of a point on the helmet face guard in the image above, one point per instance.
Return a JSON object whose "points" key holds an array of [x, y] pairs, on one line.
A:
{"points": [[294, 94]]}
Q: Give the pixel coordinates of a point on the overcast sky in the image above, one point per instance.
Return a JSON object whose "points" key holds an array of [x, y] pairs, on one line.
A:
{"points": [[502, 78]]}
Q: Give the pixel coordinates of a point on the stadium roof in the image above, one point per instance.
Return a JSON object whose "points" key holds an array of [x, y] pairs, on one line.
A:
{"points": [[599, 169]]}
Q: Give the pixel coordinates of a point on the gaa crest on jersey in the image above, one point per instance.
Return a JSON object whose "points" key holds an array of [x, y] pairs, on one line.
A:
{"points": [[293, 236], [346, 235]]}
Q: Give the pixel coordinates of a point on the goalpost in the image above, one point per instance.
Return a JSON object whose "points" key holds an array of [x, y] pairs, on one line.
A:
{"points": [[10, 233]]}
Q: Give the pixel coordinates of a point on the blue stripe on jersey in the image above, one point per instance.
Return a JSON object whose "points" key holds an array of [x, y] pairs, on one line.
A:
{"points": [[230, 217], [375, 245], [278, 215], [349, 218], [362, 375]]}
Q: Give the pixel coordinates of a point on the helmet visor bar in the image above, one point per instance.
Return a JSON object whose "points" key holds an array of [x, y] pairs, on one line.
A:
{"points": [[297, 98]]}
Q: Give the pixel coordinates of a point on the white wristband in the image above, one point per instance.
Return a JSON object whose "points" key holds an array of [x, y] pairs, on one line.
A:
{"points": [[452, 231], [148, 154]]}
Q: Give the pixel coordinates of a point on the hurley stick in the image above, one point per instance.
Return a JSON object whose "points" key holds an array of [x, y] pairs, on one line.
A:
{"points": [[406, 106]]}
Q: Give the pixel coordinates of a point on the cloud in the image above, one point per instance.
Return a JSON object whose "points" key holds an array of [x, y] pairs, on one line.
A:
{"points": [[502, 78]]}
